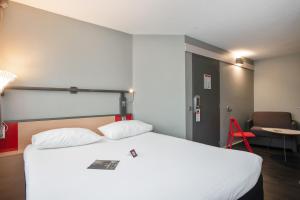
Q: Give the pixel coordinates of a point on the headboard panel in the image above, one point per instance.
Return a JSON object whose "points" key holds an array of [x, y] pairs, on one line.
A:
{"points": [[27, 129], [19, 133]]}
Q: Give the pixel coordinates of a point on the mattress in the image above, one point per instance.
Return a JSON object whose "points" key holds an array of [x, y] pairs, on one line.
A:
{"points": [[165, 168]]}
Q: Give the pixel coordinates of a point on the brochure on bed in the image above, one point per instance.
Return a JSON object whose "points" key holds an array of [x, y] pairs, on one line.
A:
{"points": [[104, 164]]}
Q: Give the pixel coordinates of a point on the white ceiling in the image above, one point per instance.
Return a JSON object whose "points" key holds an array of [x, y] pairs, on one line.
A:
{"points": [[263, 28]]}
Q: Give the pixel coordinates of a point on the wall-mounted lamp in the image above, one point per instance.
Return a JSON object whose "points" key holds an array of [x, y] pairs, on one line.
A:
{"points": [[5, 79], [239, 62], [131, 92]]}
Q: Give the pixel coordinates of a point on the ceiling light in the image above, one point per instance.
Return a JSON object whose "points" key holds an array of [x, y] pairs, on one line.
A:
{"points": [[239, 61]]}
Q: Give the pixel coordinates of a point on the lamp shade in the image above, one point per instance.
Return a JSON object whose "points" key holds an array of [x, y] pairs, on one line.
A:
{"points": [[5, 79]]}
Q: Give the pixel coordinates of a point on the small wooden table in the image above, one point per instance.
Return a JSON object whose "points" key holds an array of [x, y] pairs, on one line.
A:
{"points": [[284, 133]]}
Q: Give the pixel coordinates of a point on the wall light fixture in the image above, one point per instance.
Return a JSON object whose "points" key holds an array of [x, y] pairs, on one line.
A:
{"points": [[5, 79], [239, 62]]}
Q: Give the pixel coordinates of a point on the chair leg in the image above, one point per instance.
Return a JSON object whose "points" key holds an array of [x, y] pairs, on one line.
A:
{"points": [[228, 141], [247, 145], [231, 141]]}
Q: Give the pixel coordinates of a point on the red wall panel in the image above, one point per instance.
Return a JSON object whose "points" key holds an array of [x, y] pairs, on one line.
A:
{"points": [[10, 142], [119, 118]]}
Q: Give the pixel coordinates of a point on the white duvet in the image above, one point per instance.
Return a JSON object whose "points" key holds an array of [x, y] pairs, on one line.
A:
{"points": [[166, 168]]}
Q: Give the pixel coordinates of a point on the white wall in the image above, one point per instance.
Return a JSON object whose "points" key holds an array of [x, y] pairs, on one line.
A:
{"points": [[277, 85], [45, 49], [159, 82]]}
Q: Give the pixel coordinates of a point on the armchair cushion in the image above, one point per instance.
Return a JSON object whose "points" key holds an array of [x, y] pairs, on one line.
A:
{"points": [[258, 131]]}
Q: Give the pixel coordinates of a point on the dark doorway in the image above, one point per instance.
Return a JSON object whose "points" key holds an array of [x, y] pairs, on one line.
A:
{"points": [[206, 99]]}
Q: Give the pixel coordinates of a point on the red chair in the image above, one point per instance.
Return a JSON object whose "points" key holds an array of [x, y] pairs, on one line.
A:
{"points": [[236, 131]]}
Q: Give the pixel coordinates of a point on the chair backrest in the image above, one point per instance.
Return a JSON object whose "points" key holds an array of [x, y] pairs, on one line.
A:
{"points": [[234, 126]]}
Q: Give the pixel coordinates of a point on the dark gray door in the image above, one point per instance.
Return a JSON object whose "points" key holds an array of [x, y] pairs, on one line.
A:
{"points": [[207, 130]]}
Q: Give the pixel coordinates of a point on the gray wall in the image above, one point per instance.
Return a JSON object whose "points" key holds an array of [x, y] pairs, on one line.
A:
{"points": [[159, 82], [46, 49], [277, 85], [237, 91]]}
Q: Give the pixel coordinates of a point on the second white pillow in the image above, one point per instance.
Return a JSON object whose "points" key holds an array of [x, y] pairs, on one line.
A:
{"points": [[123, 129]]}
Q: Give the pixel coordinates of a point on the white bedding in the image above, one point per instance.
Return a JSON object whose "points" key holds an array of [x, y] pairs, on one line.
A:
{"points": [[166, 168]]}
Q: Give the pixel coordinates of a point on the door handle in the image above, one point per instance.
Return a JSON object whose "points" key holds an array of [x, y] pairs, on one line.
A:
{"points": [[197, 107], [196, 102]]}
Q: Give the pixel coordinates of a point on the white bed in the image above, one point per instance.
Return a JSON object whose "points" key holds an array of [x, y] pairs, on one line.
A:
{"points": [[166, 168]]}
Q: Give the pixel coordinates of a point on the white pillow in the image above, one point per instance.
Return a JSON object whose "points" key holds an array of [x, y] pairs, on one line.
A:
{"points": [[123, 129], [64, 137]]}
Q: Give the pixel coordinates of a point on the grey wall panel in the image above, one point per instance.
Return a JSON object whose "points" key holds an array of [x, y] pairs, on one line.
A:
{"points": [[159, 82], [46, 49], [204, 45], [237, 91], [277, 85]]}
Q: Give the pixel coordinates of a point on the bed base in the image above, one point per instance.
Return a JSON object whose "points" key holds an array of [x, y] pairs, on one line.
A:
{"points": [[257, 192]]}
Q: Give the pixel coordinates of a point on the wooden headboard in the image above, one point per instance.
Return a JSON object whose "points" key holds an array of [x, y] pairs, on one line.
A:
{"points": [[27, 129], [19, 133]]}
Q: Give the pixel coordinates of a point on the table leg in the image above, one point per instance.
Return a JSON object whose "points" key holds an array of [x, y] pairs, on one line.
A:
{"points": [[270, 143], [284, 151], [295, 148]]}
